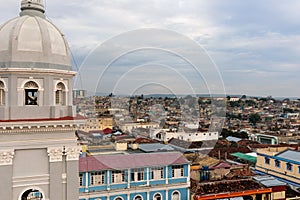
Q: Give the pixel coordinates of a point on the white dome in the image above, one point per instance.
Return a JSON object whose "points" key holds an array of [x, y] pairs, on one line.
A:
{"points": [[30, 41]]}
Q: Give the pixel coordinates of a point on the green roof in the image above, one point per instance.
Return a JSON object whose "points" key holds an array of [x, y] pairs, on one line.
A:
{"points": [[245, 157]]}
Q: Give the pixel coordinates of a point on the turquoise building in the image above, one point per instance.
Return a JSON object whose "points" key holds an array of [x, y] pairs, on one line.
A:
{"points": [[138, 176]]}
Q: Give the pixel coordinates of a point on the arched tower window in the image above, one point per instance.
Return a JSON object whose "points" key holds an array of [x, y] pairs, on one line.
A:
{"points": [[31, 93], [60, 94], [2, 93]]}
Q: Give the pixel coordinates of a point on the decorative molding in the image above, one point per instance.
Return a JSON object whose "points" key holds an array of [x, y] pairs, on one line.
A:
{"points": [[73, 153], [6, 157], [55, 154]]}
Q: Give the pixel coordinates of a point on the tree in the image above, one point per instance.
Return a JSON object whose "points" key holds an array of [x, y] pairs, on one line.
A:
{"points": [[254, 118]]}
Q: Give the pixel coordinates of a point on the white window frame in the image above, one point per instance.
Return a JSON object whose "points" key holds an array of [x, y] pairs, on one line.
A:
{"points": [[97, 178], [118, 176], [137, 174], [157, 173], [177, 171]]}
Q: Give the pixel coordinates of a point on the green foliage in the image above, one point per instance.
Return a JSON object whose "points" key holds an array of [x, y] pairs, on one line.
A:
{"points": [[254, 118], [225, 133]]}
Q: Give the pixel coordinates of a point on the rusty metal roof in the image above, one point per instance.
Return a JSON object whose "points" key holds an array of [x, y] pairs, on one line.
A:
{"points": [[121, 161]]}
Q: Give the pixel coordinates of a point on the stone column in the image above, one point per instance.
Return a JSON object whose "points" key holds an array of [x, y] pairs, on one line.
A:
{"points": [[6, 173], [72, 157], [55, 172]]}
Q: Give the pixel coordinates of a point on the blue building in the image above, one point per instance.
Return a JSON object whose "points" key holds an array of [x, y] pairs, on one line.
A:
{"points": [[139, 176]]}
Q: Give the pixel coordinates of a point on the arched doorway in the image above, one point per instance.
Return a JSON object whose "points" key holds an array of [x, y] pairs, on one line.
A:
{"points": [[157, 196], [176, 195]]}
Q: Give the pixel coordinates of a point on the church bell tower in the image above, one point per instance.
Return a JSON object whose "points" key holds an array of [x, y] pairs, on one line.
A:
{"points": [[38, 147]]}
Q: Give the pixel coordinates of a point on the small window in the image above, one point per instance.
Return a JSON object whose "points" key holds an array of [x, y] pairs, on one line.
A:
{"points": [[177, 171], [118, 176], [31, 93], [137, 174], [60, 94], [157, 173], [289, 166], [267, 160], [80, 179], [97, 178], [277, 163], [2, 93]]}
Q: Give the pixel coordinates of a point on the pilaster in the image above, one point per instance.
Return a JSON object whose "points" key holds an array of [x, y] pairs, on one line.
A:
{"points": [[72, 153], [6, 173], [55, 154], [6, 157], [72, 157], [56, 170]]}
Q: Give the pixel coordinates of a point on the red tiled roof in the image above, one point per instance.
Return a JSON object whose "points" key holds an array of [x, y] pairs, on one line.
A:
{"points": [[106, 162], [78, 117], [107, 131]]}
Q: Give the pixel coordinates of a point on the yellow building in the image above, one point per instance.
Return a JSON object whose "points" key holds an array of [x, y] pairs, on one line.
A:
{"points": [[95, 124], [283, 163]]}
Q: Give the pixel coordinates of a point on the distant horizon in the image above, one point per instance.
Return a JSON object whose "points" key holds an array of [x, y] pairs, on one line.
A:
{"points": [[198, 95]]}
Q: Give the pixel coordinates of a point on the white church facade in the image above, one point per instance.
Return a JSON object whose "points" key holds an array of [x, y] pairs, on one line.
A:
{"points": [[38, 148]]}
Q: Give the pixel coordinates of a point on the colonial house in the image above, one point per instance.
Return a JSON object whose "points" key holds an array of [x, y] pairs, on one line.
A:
{"points": [[282, 163], [137, 176]]}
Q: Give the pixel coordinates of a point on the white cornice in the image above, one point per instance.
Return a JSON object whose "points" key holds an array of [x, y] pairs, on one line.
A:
{"points": [[37, 70], [38, 126]]}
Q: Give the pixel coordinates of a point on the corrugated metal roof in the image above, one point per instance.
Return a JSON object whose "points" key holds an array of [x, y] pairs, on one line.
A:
{"points": [[269, 181], [237, 198], [244, 156], [152, 147], [233, 139], [272, 183], [106, 162], [290, 155]]}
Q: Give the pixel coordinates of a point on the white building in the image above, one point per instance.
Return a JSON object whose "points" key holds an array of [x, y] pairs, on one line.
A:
{"points": [[165, 136]]}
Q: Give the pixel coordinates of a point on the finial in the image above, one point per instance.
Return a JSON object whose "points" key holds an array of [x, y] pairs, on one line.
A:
{"points": [[32, 7]]}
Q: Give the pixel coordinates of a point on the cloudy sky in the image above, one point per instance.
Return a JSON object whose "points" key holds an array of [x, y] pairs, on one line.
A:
{"points": [[254, 44]]}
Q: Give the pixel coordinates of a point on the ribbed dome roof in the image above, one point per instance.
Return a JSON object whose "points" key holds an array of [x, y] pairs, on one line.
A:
{"points": [[31, 41]]}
